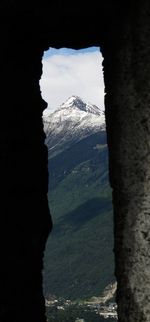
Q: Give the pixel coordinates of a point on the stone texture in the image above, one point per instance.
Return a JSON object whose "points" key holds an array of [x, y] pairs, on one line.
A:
{"points": [[127, 100]]}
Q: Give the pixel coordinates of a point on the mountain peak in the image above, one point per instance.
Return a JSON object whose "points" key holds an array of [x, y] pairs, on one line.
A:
{"points": [[78, 103], [72, 122], [74, 101]]}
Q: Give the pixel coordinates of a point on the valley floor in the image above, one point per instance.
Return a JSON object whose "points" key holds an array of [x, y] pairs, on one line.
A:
{"points": [[60, 310]]}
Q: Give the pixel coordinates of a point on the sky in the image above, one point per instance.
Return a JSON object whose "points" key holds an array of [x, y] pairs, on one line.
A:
{"points": [[68, 72]]}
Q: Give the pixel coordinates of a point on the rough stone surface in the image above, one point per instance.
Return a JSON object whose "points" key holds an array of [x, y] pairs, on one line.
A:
{"points": [[122, 29], [127, 101]]}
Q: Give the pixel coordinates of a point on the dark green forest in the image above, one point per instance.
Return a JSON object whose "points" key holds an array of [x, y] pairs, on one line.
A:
{"points": [[79, 259]]}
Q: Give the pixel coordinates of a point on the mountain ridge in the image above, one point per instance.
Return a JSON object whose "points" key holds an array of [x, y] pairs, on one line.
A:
{"points": [[73, 121], [76, 101]]}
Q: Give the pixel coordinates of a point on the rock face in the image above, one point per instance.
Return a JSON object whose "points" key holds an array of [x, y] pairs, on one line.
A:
{"points": [[122, 30]]}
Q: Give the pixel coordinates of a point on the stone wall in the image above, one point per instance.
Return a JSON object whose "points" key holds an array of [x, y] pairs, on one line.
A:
{"points": [[24, 215], [127, 101]]}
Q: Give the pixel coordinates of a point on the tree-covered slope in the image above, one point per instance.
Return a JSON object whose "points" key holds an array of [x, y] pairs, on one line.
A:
{"points": [[79, 254]]}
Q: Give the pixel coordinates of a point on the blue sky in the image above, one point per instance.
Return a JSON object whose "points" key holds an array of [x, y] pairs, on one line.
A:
{"points": [[68, 51], [68, 72]]}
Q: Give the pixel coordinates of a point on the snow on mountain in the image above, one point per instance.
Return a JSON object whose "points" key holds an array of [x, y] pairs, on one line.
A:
{"points": [[70, 123], [76, 103]]}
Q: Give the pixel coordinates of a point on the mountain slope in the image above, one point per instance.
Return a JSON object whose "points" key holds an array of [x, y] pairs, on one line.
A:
{"points": [[93, 147], [79, 259]]}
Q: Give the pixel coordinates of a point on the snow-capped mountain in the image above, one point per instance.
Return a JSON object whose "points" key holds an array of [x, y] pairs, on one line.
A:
{"points": [[73, 121], [76, 103]]}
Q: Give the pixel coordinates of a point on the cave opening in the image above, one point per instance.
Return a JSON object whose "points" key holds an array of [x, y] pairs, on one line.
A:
{"points": [[79, 260]]}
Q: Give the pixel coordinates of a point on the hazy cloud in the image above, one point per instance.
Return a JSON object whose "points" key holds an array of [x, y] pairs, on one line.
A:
{"points": [[74, 74]]}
